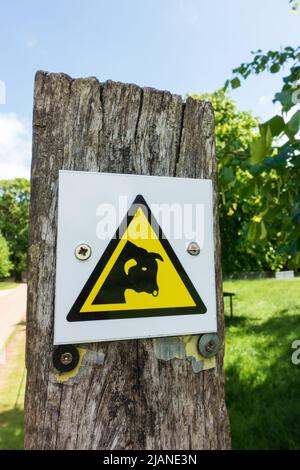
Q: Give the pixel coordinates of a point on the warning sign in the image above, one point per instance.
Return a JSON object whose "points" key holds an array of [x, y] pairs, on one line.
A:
{"points": [[134, 257], [138, 275]]}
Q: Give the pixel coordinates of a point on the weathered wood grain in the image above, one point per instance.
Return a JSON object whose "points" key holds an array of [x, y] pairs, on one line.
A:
{"points": [[132, 400]]}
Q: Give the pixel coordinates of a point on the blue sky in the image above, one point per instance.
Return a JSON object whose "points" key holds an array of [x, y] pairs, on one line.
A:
{"points": [[178, 45]]}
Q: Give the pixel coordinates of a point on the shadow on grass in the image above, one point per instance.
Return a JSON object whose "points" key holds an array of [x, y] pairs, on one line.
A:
{"points": [[236, 321], [264, 405], [11, 429]]}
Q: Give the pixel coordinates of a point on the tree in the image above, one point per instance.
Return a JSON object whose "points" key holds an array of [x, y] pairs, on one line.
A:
{"points": [[14, 215], [235, 130], [5, 264], [275, 156]]}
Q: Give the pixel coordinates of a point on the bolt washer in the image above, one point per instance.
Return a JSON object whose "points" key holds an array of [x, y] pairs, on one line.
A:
{"points": [[65, 358], [209, 344]]}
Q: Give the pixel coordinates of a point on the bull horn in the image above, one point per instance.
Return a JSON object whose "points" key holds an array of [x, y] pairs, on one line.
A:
{"points": [[157, 256], [129, 264]]}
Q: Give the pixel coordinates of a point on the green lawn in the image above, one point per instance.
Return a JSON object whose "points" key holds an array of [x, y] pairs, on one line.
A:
{"points": [[12, 380], [7, 285], [262, 385]]}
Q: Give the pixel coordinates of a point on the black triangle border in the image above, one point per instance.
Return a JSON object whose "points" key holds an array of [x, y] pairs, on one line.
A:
{"points": [[199, 308]]}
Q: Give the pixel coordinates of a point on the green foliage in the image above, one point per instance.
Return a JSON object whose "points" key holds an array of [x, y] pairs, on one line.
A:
{"points": [[245, 244], [275, 154], [272, 62], [262, 384], [5, 264], [14, 215], [261, 146]]}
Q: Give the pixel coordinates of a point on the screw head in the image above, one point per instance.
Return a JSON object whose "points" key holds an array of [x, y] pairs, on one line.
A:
{"points": [[209, 344], [193, 248], [83, 251], [66, 358]]}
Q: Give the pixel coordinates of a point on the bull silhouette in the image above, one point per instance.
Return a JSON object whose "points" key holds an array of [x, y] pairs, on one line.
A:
{"points": [[135, 268]]}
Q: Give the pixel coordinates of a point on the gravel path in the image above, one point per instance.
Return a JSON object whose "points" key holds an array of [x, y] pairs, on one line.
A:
{"points": [[12, 310]]}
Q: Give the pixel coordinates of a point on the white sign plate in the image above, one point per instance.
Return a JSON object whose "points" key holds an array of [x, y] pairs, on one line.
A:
{"points": [[123, 267]]}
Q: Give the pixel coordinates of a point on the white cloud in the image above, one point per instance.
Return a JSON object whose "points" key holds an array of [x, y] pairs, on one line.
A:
{"points": [[265, 99], [15, 146], [267, 102]]}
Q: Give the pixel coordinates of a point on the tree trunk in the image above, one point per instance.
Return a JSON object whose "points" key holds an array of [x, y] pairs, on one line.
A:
{"points": [[129, 399]]}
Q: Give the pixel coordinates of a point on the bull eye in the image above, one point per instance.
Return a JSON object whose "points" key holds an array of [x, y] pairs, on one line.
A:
{"points": [[144, 268]]}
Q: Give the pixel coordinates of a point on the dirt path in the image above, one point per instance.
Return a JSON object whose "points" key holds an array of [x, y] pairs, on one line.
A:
{"points": [[12, 310]]}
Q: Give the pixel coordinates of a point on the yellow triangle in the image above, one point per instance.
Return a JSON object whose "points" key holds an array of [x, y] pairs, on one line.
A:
{"points": [[172, 291]]}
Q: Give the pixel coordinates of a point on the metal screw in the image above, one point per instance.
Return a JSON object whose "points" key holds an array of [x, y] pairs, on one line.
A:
{"points": [[83, 251], [209, 344], [193, 248], [66, 358]]}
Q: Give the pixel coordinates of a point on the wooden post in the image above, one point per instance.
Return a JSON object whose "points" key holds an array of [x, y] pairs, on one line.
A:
{"points": [[132, 400]]}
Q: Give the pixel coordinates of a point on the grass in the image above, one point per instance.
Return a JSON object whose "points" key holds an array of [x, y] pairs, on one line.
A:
{"points": [[7, 285], [262, 385], [12, 380]]}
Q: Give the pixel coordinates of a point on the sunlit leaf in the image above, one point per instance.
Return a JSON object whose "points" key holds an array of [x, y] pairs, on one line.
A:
{"points": [[276, 125], [294, 123]]}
